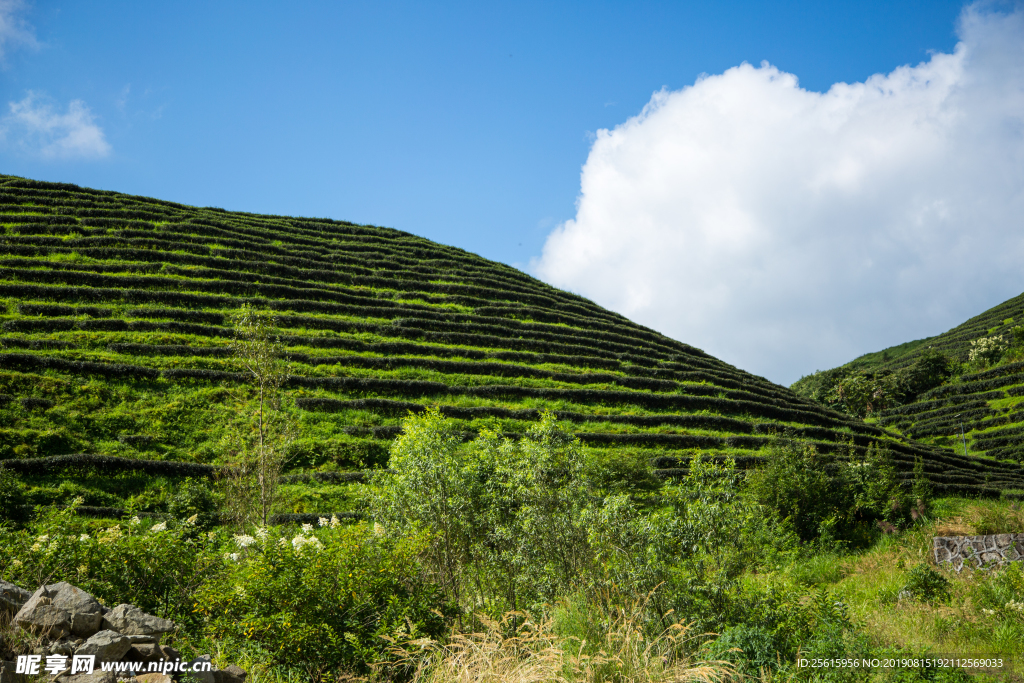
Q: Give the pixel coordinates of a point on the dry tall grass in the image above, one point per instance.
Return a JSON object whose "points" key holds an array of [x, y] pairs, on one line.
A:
{"points": [[520, 650]]}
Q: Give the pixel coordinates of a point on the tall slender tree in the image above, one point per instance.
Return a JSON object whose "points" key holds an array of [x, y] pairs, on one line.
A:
{"points": [[258, 439]]}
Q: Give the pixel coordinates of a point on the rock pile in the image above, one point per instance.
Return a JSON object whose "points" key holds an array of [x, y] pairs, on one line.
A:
{"points": [[67, 621]]}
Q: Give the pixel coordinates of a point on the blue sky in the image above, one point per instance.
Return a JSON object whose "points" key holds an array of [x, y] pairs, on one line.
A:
{"points": [[465, 123]]}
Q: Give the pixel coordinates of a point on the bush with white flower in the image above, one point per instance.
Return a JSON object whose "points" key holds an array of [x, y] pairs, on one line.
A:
{"points": [[155, 566], [986, 350], [321, 598]]}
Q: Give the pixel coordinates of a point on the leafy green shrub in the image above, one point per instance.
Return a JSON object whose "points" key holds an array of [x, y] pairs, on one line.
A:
{"points": [[876, 489], [930, 370], [709, 534], [314, 452], [769, 628], [751, 647], [926, 584], [193, 498], [986, 350], [795, 483], [831, 500], [506, 518], [325, 599]]}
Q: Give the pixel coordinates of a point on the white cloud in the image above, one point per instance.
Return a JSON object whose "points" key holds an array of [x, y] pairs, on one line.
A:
{"points": [[785, 230], [13, 29], [36, 128]]}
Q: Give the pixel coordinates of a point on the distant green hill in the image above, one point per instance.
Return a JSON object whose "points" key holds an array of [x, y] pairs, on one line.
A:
{"points": [[983, 396], [117, 377]]}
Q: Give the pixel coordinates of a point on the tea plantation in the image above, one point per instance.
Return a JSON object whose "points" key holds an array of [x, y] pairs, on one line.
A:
{"points": [[980, 389], [117, 374]]}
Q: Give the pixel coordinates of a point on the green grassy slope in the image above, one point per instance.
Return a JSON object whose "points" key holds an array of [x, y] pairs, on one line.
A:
{"points": [[115, 344], [989, 401], [987, 407], [956, 343]]}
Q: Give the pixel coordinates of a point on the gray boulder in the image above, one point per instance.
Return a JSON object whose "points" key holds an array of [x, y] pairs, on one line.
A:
{"points": [[131, 621], [151, 652], [108, 646], [96, 676], [7, 674], [230, 674], [86, 612], [154, 678], [39, 616], [85, 624], [73, 599], [202, 676], [12, 598]]}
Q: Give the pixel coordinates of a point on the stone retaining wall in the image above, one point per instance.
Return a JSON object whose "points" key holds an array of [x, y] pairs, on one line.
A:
{"points": [[978, 552]]}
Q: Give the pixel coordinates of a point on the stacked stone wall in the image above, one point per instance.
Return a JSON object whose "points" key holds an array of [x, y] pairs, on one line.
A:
{"points": [[977, 552]]}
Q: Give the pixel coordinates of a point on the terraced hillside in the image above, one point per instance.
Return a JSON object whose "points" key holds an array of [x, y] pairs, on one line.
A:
{"points": [[117, 375], [984, 399]]}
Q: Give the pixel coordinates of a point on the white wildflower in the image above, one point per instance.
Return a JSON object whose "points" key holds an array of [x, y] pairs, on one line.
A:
{"points": [[162, 526], [43, 539], [300, 542], [231, 556], [261, 533], [110, 535], [324, 521], [989, 612], [1019, 606], [306, 528], [192, 520], [15, 563], [135, 521], [212, 535], [334, 522], [83, 537], [36, 547], [244, 541], [82, 569], [378, 530]]}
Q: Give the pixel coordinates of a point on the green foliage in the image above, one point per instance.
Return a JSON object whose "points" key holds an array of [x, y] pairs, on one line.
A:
{"points": [[795, 483], [431, 488], [714, 532], [865, 392], [194, 497], [770, 628], [830, 500], [926, 584], [930, 370], [862, 394], [324, 600], [505, 518], [876, 488]]}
